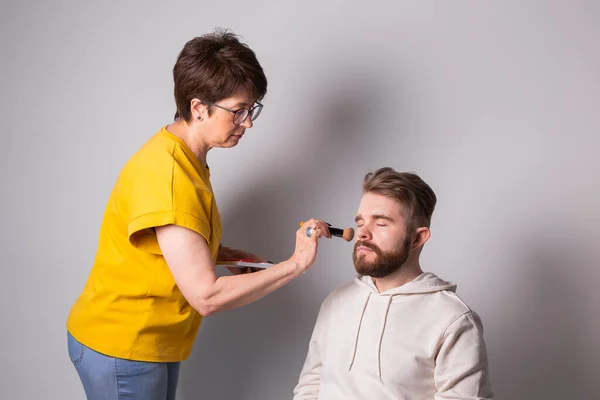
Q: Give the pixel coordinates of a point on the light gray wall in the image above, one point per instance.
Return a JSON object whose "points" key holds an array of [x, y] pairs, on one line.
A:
{"points": [[495, 104]]}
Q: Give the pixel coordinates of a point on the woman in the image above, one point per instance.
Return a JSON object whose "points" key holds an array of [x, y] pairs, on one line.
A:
{"points": [[154, 277]]}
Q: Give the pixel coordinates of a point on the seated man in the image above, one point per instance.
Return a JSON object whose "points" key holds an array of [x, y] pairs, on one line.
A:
{"points": [[396, 332]]}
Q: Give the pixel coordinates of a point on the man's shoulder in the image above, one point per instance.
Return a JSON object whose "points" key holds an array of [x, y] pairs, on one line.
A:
{"points": [[451, 300], [348, 288], [343, 293], [449, 306]]}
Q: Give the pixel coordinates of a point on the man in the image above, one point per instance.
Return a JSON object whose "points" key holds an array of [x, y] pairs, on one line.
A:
{"points": [[395, 332]]}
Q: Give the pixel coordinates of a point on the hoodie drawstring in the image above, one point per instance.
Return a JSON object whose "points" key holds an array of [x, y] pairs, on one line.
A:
{"points": [[358, 331], [387, 310]]}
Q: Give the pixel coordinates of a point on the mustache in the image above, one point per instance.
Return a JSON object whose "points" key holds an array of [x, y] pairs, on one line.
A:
{"points": [[366, 244]]}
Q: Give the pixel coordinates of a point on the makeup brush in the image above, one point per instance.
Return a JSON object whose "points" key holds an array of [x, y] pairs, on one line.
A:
{"points": [[346, 234]]}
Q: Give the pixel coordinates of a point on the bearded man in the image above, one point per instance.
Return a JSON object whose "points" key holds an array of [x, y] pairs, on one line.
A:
{"points": [[395, 332]]}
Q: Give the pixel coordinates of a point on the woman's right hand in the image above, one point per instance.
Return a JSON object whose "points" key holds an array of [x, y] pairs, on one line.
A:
{"points": [[306, 247]]}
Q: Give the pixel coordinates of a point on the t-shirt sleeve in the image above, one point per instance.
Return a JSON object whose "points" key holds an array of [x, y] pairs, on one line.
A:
{"points": [[166, 197]]}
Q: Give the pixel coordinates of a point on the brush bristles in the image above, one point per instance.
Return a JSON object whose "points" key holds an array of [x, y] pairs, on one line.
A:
{"points": [[348, 234]]}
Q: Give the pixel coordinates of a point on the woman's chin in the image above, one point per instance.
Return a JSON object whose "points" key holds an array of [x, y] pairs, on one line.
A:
{"points": [[233, 140], [229, 143]]}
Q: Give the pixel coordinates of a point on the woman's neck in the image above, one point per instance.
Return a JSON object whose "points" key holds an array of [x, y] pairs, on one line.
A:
{"points": [[192, 138]]}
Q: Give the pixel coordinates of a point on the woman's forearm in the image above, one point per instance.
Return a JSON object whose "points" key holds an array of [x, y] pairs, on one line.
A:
{"points": [[229, 292]]}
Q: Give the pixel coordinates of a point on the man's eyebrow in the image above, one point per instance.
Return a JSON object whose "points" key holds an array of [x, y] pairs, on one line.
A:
{"points": [[374, 216], [381, 216]]}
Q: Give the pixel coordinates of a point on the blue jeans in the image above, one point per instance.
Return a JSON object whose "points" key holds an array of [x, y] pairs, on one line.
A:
{"points": [[110, 378]]}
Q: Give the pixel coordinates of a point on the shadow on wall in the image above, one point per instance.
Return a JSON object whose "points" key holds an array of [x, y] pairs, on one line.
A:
{"points": [[543, 349], [257, 351]]}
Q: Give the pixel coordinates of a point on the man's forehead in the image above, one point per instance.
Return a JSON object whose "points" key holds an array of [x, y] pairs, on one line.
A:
{"points": [[376, 204]]}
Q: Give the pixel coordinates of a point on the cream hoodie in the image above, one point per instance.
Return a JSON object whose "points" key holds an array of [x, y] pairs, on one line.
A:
{"points": [[419, 341]]}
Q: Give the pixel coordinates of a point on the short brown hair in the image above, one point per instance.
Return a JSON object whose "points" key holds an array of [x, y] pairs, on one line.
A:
{"points": [[213, 67], [408, 189]]}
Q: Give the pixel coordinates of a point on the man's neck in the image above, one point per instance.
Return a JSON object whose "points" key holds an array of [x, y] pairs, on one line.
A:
{"points": [[407, 273]]}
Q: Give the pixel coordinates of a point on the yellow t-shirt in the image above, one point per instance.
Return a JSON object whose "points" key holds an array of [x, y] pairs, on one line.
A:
{"points": [[131, 306]]}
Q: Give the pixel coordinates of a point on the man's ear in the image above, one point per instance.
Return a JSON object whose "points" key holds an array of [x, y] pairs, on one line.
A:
{"points": [[421, 236]]}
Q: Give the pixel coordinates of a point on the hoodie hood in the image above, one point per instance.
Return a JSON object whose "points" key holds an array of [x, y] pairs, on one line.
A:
{"points": [[425, 283]]}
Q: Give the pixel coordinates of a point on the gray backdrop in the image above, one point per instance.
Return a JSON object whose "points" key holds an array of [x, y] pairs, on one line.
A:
{"points": [[495, 104]]}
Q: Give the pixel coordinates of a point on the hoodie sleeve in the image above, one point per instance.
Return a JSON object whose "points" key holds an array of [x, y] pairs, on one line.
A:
{"points": [[461, 365], [310, 376]]}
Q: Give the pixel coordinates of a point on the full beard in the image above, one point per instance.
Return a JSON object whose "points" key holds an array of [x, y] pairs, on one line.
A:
{"points": [[385, 263]]}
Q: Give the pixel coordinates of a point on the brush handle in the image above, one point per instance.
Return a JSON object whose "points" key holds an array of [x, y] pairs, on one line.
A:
{"points": [[336, 232]]}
